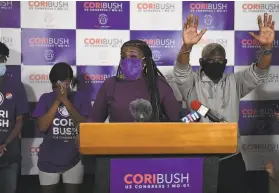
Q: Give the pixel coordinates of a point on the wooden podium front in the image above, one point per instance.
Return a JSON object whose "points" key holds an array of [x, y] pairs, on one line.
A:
{"points": [[158, 140]]}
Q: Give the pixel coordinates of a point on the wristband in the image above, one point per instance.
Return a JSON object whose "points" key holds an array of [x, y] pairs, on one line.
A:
{"points": [[266, 51]]}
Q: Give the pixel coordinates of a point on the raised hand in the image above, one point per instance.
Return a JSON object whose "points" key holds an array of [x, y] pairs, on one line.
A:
{"points": [[266, 35], [190, 31]]}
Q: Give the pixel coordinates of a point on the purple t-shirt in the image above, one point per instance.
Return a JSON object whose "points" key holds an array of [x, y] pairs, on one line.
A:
{"points": [[13, 103], [58, 152], [114, 97]]}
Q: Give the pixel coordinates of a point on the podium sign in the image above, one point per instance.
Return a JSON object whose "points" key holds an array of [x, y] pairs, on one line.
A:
{"points": [[164, 175]]}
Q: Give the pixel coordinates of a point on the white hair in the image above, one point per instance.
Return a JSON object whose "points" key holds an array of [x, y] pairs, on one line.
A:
{"points": [[213, 49]]}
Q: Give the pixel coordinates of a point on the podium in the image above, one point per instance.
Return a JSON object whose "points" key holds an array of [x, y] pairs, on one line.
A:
{"points": [[157, 157]]}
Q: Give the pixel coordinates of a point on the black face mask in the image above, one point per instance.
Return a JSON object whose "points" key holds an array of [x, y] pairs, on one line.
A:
{"points": [[214, 70]]}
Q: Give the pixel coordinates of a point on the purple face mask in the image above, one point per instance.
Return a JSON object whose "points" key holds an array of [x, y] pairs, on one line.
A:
{"points": [[131, 68]]}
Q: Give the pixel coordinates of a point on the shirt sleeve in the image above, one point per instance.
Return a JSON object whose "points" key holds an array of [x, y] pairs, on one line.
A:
{"points": [[86, 106], [171, 105], [41, 107], [184, 79], [22, 106], [248, 79], [100, 106]]}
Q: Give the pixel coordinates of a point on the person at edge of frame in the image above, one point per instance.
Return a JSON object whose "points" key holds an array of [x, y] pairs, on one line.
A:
{"points": [[13, 107]]}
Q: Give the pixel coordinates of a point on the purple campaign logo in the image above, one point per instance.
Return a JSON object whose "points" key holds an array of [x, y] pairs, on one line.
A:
{"points": [[213, 15], [103, 15], [165, 45], [168, 175], [257, 118], [228, 70], [47, 47], [247, 48], [10, 14], [92, 77]]}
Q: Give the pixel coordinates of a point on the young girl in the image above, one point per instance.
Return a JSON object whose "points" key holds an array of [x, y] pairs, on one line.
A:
{"points": [[59, 114]]}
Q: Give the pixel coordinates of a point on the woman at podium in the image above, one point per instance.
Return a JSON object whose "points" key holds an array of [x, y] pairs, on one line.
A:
{"points": [[59, 113], [137, 82], [138, 92]]}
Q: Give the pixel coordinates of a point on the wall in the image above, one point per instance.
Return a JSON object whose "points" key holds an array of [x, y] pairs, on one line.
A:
{"points": [[88, 35]]}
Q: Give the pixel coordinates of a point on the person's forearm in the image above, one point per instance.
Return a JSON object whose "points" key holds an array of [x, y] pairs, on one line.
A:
{"points": [[73, 112], [16, 130], [183, 56], [265, 60], [45, 121]]}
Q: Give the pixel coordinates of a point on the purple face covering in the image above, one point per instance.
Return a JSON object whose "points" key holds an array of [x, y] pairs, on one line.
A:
{"points": [[131, 68]]}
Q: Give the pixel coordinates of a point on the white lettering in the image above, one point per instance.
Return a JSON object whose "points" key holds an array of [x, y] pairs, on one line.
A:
{"points": [[63, 131], [4, 114], [184, 177], [63, 122], [4, 123]]}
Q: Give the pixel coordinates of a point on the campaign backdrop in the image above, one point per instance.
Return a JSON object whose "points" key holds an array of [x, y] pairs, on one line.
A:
{"points": [[89, 34], [157, 175]]}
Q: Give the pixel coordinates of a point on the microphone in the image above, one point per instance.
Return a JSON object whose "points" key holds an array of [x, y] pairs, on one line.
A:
{"points": [[141, 110], [204, 111]]}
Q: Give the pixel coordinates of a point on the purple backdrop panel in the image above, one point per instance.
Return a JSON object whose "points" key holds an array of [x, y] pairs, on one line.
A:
{"points": [[246, 48], [47, 47], [14, 71], [103, 15], [229, 69], [213, 15], [10, 14], [257, 118], [173, 175], [92, 77], [165, 45]]}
